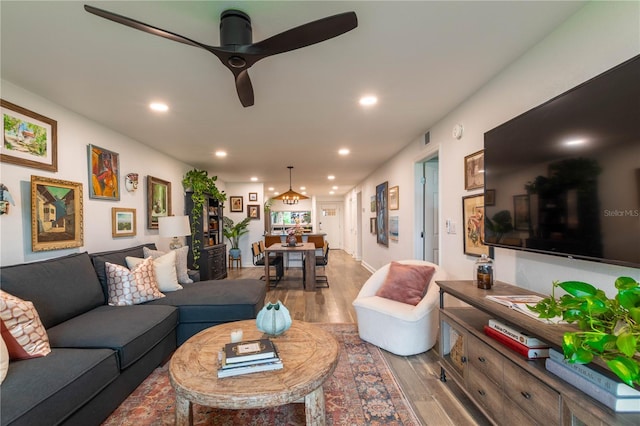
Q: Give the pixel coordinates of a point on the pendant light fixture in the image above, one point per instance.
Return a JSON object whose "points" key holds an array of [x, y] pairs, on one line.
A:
{"points": [[291, 196]]}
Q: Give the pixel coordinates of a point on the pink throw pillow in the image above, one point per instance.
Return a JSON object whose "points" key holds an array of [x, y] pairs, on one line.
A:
{"points": [[406, 283]]}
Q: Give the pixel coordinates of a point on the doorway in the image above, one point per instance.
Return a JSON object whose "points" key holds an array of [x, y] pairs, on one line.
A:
{"points": [[330, 223], [430, 211]]}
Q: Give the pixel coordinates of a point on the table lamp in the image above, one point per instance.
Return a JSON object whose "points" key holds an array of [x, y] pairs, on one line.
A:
{"points": [[174, 227]]}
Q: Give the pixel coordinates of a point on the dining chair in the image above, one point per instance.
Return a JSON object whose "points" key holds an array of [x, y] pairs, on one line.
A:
{"points": [[259, 259]]}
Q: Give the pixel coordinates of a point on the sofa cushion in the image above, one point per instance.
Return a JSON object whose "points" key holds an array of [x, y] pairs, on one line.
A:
{"points": [[46, 390], [132, 331], [182, 254], [406, 283], [21, 328], [117, 257], [164, 268], [59, 288], [216, 301], [131, 287]]}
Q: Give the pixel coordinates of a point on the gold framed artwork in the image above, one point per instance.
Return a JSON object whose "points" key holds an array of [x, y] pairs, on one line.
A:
{"points": [[473, 220], [29, 139], [394, 198], [104, 173], [158, 200], [56, 214], [474, 170], [123, 222], [253, 211]]}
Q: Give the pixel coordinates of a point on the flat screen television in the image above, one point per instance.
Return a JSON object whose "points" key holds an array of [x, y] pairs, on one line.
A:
{"points": [[564, 177]]}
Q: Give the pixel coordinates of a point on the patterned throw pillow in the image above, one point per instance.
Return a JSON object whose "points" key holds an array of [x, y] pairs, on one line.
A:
{"points": [[4, 360], [164, 268], [181, 262], [406, 283], [22, 330], [131, 287]]}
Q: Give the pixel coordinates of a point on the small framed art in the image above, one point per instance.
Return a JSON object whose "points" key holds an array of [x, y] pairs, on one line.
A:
{"points": [[29, 139], [123, 222], [237, 203], [372, 225], [253, 196], [253, 211], [473, 219], [474, 170], [56, 214], [158, 200], [394, 198], [104, 173]]}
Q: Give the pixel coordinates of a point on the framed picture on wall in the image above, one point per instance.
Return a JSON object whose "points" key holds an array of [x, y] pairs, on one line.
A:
{"points": [[123, 222], [372, 225], [253, 211], [382, 213], [253, 196], [237, 204], [373, 203], [56, 214], [474, 170], [29, 139], [394, 198], [158, 200], [394, 229], [104, 173], [473, 220]]}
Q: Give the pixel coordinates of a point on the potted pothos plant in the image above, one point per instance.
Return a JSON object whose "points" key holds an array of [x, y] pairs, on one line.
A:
{"points": [[609, 327], [233, 232], [199, 184]]}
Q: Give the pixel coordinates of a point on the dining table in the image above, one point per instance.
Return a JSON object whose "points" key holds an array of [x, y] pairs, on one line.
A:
{"points": [[309, 254]]}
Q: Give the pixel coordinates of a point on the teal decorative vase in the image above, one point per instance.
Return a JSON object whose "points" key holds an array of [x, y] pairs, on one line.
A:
{"points": [[273, 319]]}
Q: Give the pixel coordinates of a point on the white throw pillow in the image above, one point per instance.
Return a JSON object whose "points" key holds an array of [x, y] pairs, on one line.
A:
{"points": [[181, 262], [4, 360], [164, 268], [130, 287]]}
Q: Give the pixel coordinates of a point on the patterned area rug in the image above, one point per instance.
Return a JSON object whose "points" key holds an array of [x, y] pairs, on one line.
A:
{"points": [[362, 391]]}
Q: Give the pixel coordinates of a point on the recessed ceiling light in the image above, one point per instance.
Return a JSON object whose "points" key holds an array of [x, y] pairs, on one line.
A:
{"points": [[304, 192], [331, 177], [159, 106], [573, 142], [221, 153], [334, 187], [276, 193], [368, 100], [254, 179], [271, 188], [344, 151], [303, 188], [331, 192]]}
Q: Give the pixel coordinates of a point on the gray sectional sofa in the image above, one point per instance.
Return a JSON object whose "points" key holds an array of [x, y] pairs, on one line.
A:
{"points": [[101, 353]]}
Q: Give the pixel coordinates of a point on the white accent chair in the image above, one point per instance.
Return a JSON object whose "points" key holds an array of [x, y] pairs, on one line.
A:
{"points": [[395, 326]]}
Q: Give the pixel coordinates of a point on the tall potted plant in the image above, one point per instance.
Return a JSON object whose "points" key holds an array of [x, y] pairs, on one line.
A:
{"points": [[233, 232], [199, 183]]}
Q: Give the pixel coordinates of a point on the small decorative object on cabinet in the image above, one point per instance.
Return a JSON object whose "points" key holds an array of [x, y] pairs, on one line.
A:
{"points": [[507, 387], [483, 272], [208, 250]]}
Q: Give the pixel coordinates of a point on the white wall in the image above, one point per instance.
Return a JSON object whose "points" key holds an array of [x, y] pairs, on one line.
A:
{"points": [[256, 226], [74, 134], [598, 37]]}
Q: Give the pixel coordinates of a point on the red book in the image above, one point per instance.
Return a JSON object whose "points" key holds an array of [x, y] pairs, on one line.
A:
{"points": [[531, 353]]}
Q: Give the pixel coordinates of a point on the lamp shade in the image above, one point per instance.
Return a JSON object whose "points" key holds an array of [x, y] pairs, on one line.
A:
{"points": [[174, 226]]}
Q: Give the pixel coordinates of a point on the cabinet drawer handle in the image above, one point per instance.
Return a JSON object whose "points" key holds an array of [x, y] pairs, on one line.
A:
{"points": [[481, 359], [526, 395], [481, 392]]}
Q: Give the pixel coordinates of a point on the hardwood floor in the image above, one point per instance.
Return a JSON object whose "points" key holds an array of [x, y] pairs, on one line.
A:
{"points": [[436, 403]]}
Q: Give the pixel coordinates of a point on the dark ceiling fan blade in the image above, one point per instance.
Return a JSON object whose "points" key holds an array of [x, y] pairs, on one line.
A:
{"points": [[307, 34], [144, 27], [244, 88]]}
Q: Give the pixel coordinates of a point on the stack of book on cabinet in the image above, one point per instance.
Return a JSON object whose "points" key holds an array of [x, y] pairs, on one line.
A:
{"points": [[248, 357], [516, 339], [612, 393]]}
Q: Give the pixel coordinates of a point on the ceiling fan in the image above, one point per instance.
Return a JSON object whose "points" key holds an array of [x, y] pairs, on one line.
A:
{"points": [[237, 51]]}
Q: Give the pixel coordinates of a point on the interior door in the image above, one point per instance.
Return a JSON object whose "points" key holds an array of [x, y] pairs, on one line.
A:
{"points": [[330, 223], [431, 211]]}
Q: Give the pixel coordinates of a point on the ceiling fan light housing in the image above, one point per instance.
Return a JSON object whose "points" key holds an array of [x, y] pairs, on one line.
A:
{"points": [[235, 28]]}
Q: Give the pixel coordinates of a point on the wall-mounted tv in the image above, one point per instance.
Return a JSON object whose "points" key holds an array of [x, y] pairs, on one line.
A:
{"points": [[564, 177]]}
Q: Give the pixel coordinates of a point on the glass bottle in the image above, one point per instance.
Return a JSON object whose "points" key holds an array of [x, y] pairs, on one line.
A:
{"points": [[483, 272]]}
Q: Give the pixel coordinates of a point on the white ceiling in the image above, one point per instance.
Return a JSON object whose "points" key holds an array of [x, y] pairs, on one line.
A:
{"points": [[421, 58]]}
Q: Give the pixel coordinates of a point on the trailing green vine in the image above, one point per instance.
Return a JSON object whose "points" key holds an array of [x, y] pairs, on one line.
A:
{"points": [[200, 184], [610, 328]]}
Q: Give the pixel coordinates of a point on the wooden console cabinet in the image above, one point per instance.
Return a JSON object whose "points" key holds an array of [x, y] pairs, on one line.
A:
{"points": [[506, 387]]}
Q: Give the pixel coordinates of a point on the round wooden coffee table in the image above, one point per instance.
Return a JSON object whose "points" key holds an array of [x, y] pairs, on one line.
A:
{"points": [[309, 355]]}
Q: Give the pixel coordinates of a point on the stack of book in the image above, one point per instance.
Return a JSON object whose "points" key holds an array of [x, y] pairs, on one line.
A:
{"points": [[612, 393], [248, 357], [516, 339]]}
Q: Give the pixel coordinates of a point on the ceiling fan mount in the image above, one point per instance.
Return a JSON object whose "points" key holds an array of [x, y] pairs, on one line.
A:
{"points": [[237, 51]]}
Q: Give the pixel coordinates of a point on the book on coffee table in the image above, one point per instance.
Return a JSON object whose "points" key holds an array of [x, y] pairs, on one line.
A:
{"points": [[249, 351], [233, 370]]}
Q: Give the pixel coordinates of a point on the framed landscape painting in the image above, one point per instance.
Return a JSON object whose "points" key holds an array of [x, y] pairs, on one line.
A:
{"points": [[29, 139], [104, 173], [123, 222], [56, 214], [158, 200]]}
